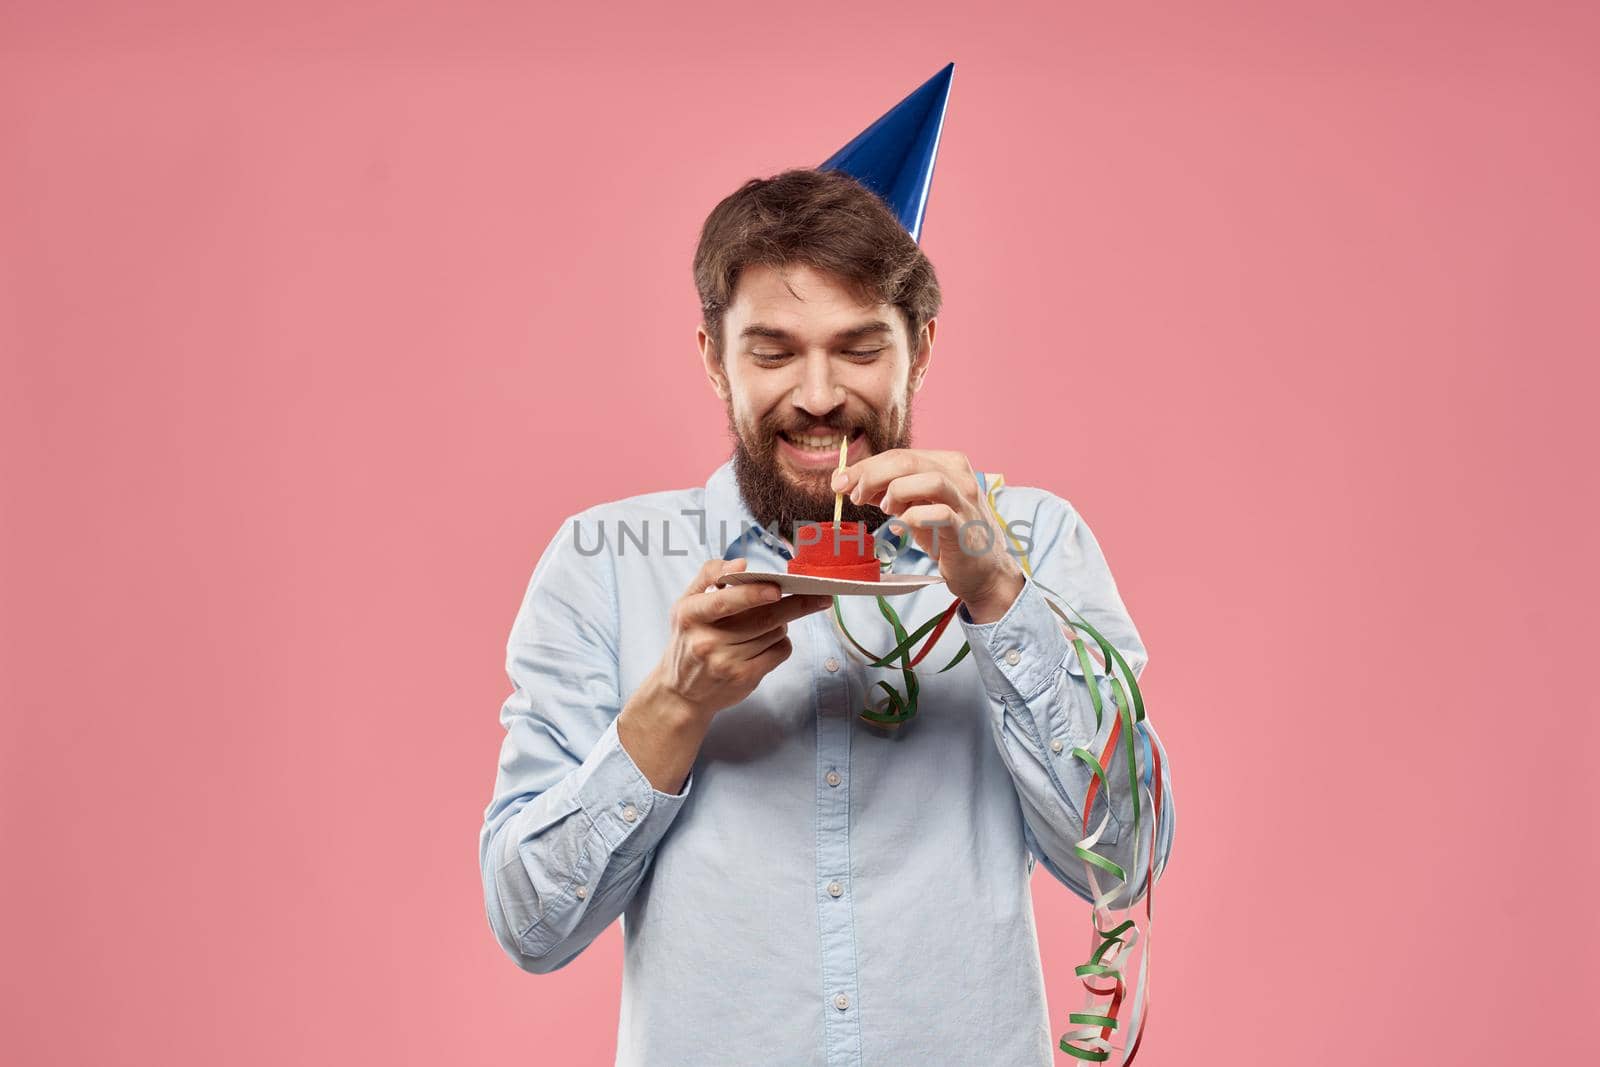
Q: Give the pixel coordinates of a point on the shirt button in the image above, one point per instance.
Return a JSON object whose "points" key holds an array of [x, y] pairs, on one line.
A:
{"points": [[583, 891], [841, 1002], [833, 778], [1055, 744], [630, 813], [832, 664], [1013, 657], [835, 889]]}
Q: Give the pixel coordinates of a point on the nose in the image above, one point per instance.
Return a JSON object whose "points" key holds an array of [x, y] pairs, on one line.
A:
{"points": [[817, 393]]}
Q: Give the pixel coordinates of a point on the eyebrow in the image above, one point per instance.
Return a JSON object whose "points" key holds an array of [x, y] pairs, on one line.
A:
{"points": [[756, 329]]}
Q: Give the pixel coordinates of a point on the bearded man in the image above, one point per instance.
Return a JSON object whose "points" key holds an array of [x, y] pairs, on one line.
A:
{"points": [[796, 885]]}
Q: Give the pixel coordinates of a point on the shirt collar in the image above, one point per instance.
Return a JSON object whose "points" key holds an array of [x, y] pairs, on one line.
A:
{"points": [[731, 529]]}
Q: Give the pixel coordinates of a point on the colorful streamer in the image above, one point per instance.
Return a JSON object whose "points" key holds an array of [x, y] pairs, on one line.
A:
{"points": [[1103, 973]]}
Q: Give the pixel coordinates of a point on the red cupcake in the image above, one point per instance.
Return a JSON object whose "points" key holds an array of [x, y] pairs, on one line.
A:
{"points": [[835, 550]]}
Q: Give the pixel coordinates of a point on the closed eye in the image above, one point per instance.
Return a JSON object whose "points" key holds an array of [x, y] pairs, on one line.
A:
{"points": [[862, 353]]}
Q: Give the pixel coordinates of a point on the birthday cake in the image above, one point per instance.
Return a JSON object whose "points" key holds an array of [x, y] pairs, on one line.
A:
{"points": [[835, 550]]}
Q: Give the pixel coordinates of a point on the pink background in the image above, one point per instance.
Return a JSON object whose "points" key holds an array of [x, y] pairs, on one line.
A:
{"points": [[315, 319]]}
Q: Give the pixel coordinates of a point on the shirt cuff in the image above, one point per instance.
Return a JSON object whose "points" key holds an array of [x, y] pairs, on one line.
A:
{"points": [[629, 813], [1024, 647]]}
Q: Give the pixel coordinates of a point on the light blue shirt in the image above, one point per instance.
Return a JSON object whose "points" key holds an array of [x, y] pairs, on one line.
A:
{"points": [[822, 891]]}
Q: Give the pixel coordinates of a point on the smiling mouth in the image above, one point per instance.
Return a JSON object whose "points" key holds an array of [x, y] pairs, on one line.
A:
{"points": [[819, 450], [811, 442]]}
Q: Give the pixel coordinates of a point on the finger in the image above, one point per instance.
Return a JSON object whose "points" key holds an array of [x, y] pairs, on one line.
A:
{"points": [[876, 469], [761, 641], [718, 602], [924, 487], [710, 571], [775, 654], [900, 462], [935, 526], [763, 617], [811, 603], [864, 479]]}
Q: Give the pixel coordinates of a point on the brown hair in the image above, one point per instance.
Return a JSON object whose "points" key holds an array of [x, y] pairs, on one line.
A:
{"points": [[826, 220]]}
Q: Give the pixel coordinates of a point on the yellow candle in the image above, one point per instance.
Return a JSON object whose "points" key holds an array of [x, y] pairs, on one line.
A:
{"points": [[838, 498]]}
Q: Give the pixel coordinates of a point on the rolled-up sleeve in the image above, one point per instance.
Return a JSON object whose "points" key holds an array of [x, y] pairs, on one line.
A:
{"points": [[573, 822]]}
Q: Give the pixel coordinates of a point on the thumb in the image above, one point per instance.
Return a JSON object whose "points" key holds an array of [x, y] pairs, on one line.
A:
{"points": [[709, 572], [728, 566]]}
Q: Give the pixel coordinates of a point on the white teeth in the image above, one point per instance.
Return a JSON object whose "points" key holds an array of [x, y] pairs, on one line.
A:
{"points": [[805, 440]]}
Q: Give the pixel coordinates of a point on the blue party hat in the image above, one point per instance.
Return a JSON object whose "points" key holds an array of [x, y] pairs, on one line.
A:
{"points": [[894, 156]]}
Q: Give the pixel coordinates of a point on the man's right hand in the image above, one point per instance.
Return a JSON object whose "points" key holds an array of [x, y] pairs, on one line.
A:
{"points": [[724, 641]]}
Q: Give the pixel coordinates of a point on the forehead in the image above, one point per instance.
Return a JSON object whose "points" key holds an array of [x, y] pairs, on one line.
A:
{"points": [[804, 301]]}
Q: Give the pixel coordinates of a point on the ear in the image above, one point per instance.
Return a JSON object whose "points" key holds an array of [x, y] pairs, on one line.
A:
{"points": [[924, 353], [711, 359]]}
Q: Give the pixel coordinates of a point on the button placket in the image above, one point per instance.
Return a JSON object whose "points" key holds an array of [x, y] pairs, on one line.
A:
{"points": [[834, 692]]}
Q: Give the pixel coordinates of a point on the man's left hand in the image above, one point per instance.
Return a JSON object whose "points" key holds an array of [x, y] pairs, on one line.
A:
{"points": [[936, 494]]}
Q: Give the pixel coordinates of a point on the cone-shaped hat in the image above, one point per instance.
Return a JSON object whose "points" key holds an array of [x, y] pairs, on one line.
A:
{"points": [[894, 156]]}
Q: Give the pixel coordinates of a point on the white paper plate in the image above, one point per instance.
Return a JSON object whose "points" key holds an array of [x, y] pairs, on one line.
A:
{"points": [[888, 585]]}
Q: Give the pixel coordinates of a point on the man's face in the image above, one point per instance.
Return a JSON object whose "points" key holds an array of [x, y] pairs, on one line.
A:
{"points": [[803, 363]]}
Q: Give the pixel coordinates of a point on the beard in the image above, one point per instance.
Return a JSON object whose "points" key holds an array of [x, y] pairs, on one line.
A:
{"points": [[782, 499]]}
